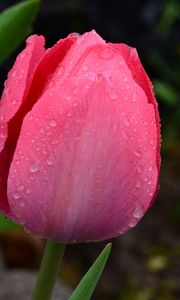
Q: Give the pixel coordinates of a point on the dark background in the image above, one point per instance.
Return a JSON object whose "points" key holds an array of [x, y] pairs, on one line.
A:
{"points": [[145, 262]]}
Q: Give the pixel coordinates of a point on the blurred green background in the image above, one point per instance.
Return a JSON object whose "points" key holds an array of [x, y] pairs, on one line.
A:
{"points": [[145, 262]]}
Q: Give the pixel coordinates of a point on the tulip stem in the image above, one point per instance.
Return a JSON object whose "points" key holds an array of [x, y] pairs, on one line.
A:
{"points": [[48, 271]]}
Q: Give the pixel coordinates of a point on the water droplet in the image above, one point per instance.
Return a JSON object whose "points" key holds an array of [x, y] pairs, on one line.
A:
{"points": [[14, 73], [2, 135], [150, 168], [69, 114], [53, 123], [28, 190], [68, 98], [133, 223], [21, 187], [23, 54], [113, 94], [34, 167], [85, 68], [50, 160], [16, 195], [140, 169], [75, 104], [74, 34], [13, 101], [139, 211], [137, 153], [106, 53]]}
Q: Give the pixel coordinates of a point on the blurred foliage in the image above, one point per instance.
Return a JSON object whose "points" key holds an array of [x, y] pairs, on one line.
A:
{"points": [[6, 225], [167, 75], [16, 25], [170, 14]]}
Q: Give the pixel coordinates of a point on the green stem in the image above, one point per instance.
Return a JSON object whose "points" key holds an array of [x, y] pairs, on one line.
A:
{"points": [[48, 271]]}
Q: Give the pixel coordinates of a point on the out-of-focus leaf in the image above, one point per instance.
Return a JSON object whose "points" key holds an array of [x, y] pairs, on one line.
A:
{"points": [[87, 285], [165, 92], [170, 13], [165, 72], [6, 225], [157, 263], [15, 25]]}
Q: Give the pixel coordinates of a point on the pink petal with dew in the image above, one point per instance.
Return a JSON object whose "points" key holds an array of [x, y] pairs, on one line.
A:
{"points": [[34, 88], [85, 163], [131, 57], [75, 57], [16, 87]]}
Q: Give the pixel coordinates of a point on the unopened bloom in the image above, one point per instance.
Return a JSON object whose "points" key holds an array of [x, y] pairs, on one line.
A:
{"points": [[79, 139]]}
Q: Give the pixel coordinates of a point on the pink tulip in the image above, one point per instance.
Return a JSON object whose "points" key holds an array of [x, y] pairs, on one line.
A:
{"points": [[79, 139]]}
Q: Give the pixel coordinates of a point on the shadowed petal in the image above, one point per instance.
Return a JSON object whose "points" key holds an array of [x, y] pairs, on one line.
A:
{"points": [[16, 87]]}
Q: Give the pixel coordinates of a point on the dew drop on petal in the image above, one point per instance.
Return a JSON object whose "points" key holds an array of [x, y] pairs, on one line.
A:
{"points": [[113, 94], [34, 167], [13, 101], [28, 190], [137, 153], [139, 211], [14, 73], [133, 222], [75, 104], [52, 123], [150, 168], [85, 68], [140, 169], [69, 115], [50, 160], [15, 195], [74, 34]]}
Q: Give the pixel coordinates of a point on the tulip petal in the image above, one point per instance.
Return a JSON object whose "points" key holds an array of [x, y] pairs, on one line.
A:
{"points": [[75, 56], [16, 87], [35, 67], [85, 165], [131, 57]]}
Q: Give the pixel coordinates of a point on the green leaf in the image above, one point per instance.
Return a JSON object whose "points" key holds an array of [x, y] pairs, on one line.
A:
{"points": [[15, 26], [6, 225], [165, 92], [88, 283]]}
